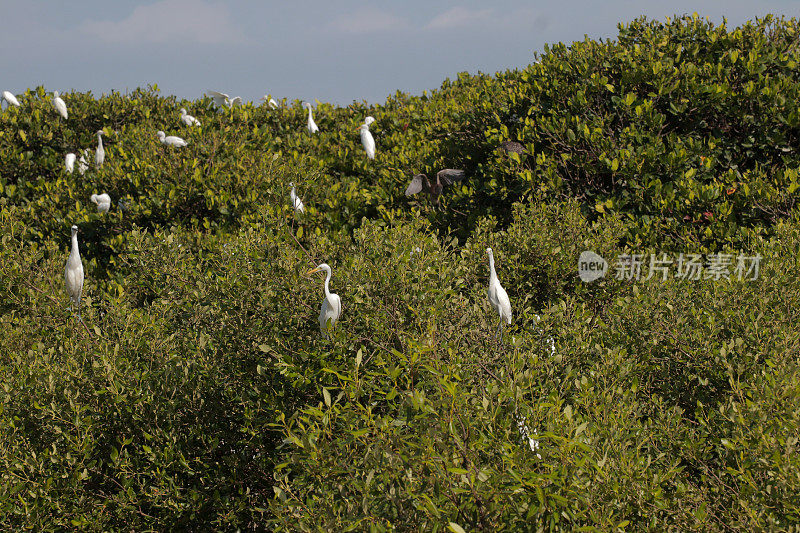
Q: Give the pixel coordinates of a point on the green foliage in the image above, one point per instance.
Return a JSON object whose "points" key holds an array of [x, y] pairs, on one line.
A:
{"points": [[197, 393]]}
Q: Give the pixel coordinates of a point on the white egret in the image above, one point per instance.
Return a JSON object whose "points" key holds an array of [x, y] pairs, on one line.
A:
{"points": [[188, 120], [270, 101], [525, 433], [100, 153], [444, 177], [171, 140], [73, 274], [69, 162], [312, 126], [83, 166], [296, 201], [497, 295], [222, 99], [60, 106], [366, 138], [103, 202], [10, 99], [331, 306]]}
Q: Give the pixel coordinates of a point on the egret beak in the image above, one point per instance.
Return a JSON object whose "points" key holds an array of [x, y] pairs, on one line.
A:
{"points": [[313, 270]]}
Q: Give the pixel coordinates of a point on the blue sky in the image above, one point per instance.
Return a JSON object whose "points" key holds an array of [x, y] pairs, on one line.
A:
{"points": [[330, 51]]}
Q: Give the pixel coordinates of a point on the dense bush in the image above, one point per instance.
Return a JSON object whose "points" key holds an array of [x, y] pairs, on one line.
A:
{"points": [[197, 392]]}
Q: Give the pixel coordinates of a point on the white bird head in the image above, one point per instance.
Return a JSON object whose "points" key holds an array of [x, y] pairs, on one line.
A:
{"points": [[74, 229], [489, 253], [161, 136], [183, 111], [369, 120], [100, 132], [291, 184], [93, 198], [55, 94], [307, 105], [321, 268]]}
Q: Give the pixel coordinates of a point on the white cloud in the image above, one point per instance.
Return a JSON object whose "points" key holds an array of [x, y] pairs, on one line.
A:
{"points": [[170, 21], [459, 17], [368, 20]]}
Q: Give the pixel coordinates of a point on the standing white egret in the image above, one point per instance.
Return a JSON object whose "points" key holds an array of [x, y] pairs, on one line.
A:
{"points": [[73, 274], [189, 120], [103, 202], [69, 162], [296, 201], [60, 106], [497, 295], [100, 153], [270, 101], [331, 306], [83, 166], [171, 140], [366, 138], [312, 126], [9, 97]]}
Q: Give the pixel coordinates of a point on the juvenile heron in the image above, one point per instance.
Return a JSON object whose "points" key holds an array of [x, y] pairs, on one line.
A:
{"points": [[444, 177]]}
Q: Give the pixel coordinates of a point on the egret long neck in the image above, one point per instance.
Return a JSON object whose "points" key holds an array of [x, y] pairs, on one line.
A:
{"points": [[75, 250], [327, 281], [99, 141], [492, 272], [310, 117]]}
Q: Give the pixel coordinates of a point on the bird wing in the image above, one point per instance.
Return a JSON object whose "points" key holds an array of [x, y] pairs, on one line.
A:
{"points": [[449, 176], [416, 185], [236, 100], [219, 98]]}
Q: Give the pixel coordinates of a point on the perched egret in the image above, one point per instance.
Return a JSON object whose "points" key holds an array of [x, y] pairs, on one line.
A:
{"points": [[331, 306], [103, 202], [312, 126], [73, 274], [497, 295], [296, 201], [444, 177], [171, 140], [525, 433], [59, 104], [366, 138], [270, 101], [10, 99], [83, 166], [100, 153], [222, 99], [189, 120], [69, 162]]}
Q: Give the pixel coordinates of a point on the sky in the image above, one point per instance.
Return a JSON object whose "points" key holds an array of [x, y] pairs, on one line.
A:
{"points": [[336, 52]]}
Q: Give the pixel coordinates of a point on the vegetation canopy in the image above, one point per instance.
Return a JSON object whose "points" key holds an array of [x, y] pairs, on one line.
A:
{"points": [[197, 392]]}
